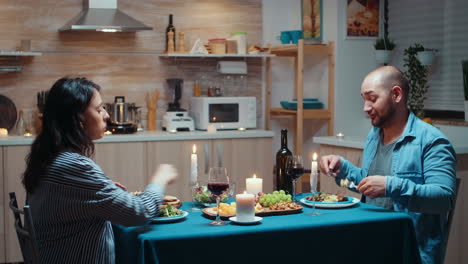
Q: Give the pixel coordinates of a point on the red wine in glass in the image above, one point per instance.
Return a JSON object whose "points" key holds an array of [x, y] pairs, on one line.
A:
{"points": [[217, 188], [296, 172]]}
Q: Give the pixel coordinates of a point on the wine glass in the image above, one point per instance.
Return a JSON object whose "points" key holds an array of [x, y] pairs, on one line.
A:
{"points": [[295, 169], [218, 183], [313, 190]]}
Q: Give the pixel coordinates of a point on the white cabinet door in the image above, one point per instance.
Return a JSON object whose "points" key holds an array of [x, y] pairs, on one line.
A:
{"points": [[13, 166]]}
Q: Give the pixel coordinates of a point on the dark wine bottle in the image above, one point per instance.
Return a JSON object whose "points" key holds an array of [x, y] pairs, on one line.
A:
{"points": [[283, 180], [170, 28]]}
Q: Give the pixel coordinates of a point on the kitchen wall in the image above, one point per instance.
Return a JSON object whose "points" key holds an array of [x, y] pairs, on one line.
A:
{"points": [[122, 63]]}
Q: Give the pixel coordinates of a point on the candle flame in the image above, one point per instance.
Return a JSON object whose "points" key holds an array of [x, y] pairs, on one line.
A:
{"points": [[314, 157], [254, 176], [245, 192], [194, 149]]}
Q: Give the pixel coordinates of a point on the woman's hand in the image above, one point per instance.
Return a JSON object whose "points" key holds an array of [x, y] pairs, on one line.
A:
{"points": [[165, 174]]}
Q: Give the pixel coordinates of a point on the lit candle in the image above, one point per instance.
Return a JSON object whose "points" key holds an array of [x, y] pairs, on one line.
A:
{"points": [[193, 166], [314, 163], [340, 135], [3, 132], [245, 207], [107, 133], [211, 129], [27, 134], [254, 184]]}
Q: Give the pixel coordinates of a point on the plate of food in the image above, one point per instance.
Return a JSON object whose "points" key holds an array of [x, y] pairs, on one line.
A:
{"points": [[170, 214], [327, 200], [276, 203]]}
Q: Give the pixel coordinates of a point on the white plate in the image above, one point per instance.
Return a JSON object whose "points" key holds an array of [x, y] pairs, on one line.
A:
{"points": [[331, 205], [170, 219], [256, 220]]}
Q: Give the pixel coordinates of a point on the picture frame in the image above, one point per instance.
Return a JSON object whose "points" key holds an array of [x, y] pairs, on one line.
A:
{"points": [[363, 19], [312, 20]]}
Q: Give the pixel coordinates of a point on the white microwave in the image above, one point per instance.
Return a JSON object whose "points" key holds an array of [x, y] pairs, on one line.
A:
{"points": [[224, 112]]}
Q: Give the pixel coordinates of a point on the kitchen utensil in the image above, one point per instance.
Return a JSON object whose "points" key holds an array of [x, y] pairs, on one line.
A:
{"points": [[8, 112], [151, 104]]}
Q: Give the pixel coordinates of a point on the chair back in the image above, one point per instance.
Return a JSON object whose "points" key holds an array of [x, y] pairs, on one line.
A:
{"points": [[452, 211], [26, 233]]}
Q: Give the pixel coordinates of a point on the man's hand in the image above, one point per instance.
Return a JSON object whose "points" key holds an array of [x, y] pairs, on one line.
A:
{"points": [[330, 165], [373, 186]]}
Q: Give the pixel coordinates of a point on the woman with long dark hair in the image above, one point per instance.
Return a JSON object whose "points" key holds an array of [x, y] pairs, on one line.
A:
{"points": [[73, 202]]}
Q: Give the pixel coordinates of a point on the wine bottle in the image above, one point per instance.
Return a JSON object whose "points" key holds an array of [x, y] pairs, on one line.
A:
{"points": [[283, 181], [170, 28]]}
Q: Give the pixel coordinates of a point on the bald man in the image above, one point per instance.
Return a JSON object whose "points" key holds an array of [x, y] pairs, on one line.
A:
{"points": [[407, 166]]}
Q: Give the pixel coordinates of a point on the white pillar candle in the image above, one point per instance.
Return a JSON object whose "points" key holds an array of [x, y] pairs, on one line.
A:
{"points": [[193, 166], [245, 207], [211, 129], [314, 166], [254, 185]]}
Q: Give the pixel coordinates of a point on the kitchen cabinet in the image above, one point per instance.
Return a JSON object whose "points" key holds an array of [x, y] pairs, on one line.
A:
{"points": [[13, 167], [327, 183], [299, 53], [241, 157], [124, 163]]}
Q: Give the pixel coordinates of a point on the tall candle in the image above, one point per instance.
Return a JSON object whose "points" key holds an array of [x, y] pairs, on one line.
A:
{"points": [[254, 184], [314, 166], [193, 166], [245, 207], [3, 132]]}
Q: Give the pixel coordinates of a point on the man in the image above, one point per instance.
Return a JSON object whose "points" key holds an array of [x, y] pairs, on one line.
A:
{"points": [[407, 166]]}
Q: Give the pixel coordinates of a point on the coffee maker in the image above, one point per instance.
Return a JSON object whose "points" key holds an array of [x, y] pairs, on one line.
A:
{"points": [[122, 116], [176, 118]]}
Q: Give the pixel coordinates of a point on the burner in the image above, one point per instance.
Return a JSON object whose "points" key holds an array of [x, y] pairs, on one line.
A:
{"points": [[127, 128]]}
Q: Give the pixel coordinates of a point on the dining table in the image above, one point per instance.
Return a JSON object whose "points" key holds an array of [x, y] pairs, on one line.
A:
{"points": [[361, 233]]}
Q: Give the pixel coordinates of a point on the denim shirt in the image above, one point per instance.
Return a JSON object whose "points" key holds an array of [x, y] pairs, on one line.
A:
{"points": [[422, 183]]}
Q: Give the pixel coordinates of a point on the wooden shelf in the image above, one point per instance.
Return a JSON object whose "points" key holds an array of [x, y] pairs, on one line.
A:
{"points": [[307, 113], [10, 68], [291, 50], [19, 53], [188, 55]]}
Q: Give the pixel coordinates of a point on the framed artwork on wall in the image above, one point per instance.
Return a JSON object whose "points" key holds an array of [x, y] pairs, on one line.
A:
{"points": [[363, 19], [312, 17]]}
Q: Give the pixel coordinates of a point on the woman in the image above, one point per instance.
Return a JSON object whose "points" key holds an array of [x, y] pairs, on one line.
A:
{"points": [[73, 202]]}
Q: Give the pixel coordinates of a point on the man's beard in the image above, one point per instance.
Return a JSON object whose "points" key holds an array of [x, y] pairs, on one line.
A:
{"points": [[386, 118]]}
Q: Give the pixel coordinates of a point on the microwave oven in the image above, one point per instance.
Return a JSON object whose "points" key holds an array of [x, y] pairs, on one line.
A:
{"points": [[224, 112]]}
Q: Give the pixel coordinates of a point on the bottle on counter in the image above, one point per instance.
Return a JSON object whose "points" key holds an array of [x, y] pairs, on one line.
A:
{"points": [[20, 126], [283, 181], [170, 28], [196, 89]]}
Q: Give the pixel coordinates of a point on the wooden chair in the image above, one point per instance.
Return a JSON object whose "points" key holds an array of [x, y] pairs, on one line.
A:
{"points": [[26, 233]]}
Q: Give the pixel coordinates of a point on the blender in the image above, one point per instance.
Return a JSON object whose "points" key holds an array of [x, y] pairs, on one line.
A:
{"points": [[176, 118]]}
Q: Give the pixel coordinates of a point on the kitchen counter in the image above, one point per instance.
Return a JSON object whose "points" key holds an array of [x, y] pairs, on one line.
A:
{"points": [[460, 146], [154, 136]]}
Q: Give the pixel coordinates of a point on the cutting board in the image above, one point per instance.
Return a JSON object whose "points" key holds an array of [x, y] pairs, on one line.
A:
{"points": [[8, 113]]}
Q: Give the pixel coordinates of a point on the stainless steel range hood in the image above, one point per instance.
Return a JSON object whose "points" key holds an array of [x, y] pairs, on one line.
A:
{"points": [[103, 15]]}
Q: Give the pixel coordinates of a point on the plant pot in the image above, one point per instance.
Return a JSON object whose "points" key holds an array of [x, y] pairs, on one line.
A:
{"points": [[466, 111], [425, 57], [382, 56]]}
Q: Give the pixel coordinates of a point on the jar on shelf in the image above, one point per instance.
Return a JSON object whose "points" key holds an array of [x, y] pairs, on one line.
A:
{"points": [[217, 45]]}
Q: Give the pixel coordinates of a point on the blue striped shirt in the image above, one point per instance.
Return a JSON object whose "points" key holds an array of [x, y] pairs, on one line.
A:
{"points": [[73, 207]]}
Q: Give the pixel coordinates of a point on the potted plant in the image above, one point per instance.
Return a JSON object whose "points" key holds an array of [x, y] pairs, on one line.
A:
{"points": [[384, 46], [383, 50], [417, 77], [426, 56]]}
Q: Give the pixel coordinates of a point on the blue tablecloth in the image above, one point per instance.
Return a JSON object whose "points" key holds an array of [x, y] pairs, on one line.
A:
{"points": [[359, 234]]}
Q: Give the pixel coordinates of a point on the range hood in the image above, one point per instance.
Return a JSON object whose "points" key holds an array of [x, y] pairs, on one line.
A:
{"points": [[103, 15]]}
